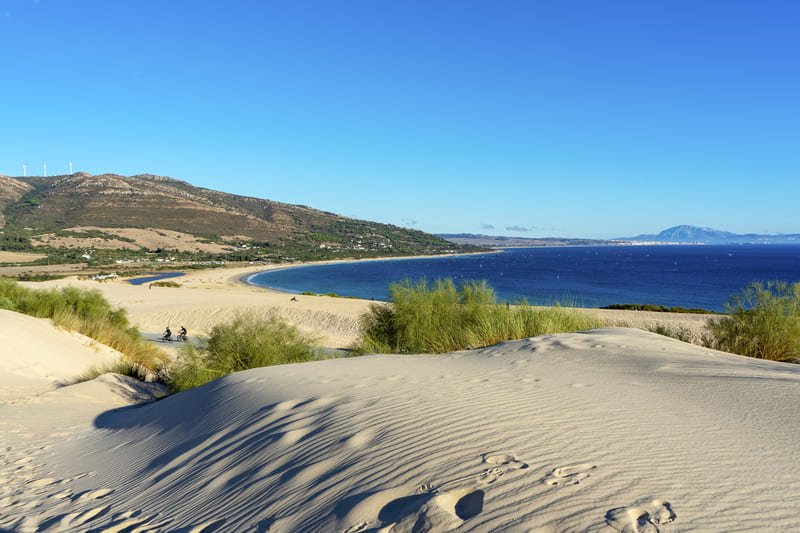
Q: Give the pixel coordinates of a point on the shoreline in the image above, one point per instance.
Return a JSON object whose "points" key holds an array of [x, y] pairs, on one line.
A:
{"points": [[244, 278], [213, 296]]}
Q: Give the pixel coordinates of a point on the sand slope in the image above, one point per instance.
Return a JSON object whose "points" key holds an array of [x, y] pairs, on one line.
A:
{"points": [[35, 356], [609, 430], [208, 298]]}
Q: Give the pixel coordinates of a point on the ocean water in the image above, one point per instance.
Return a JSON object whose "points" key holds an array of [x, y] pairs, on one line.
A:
{"points": [[701, 276]]}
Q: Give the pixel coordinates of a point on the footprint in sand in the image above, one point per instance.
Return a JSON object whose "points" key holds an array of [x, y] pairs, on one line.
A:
{"points": [[439, 512], [404, 511], [506, 460], [491, 475], [641, 518], [661, 512], [568, 475], [425, 488]]}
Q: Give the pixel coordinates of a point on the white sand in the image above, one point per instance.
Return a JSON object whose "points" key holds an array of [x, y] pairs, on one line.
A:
{"points": [[609, 430], [52, 356], [207, 298]]}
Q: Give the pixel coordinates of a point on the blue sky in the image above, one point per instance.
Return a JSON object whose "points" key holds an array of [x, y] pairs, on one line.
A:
{"points": [[566, 118]]}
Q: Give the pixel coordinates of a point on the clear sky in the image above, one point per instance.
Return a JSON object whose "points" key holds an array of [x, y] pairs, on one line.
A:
{"points": [[525, 118]]}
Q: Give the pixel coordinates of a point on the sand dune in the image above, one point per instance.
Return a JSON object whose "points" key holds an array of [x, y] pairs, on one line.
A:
{"points": [[35, 356], [608, 430], [207, 298]]}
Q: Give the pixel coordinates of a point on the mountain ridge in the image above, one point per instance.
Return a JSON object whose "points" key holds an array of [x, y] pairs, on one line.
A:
{"points": [[682, 234], [686, 234], [68, 203]]}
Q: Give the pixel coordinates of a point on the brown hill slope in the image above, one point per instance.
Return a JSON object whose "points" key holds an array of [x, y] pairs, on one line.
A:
{"points": [[148, 201], [11, 190]]}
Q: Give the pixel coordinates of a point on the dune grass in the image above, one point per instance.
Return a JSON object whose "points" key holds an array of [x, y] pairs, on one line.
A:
{"points": [[123, 367], [439, 317], [246, 342], [763, 321], [88, 313], [170, 284]]}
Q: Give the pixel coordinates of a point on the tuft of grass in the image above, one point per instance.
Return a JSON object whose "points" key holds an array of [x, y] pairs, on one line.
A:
{"points": [[659, 309], [246, 342], [763, 321], [440, 317], [679, 333], [124, 367], [165, 284], [87, 312]]}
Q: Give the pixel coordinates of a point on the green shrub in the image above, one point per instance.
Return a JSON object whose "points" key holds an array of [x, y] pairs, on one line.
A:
{"points": [[165, 284], [440, 318], [658, 308], [87, 312], [124, 367], [763, 321], [680, 333], [246, 342]]}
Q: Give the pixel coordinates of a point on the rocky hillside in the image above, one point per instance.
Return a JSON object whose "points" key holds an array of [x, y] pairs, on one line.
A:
{"points": [[103, 202]]}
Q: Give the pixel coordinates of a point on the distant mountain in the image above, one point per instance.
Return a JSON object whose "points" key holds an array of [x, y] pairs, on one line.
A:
{"points": [[695, 235], [66, 204], [676, 235]]}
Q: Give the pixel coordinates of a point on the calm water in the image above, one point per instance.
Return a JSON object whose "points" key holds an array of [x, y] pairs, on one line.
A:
{"points": [[686, 276]]}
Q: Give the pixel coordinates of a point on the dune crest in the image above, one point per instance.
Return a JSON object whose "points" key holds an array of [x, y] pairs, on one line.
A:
{"points": [[608, 430]]}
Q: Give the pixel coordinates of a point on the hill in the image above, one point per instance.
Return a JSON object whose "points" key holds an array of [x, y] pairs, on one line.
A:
{"points": [[102, 211], [696, 235]]}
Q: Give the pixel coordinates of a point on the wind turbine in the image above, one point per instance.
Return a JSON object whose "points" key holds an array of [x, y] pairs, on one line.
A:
{"points": [[70, 168], [45, 170], [23, 170]]}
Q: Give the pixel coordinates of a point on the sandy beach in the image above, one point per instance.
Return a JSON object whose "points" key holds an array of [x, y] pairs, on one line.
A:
{"points": [[614, 429], [209, 297]]}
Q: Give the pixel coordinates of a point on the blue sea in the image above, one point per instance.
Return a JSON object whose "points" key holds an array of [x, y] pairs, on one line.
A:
{"points": [[700, 276]]}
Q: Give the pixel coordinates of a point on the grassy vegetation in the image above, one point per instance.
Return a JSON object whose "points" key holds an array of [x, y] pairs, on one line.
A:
{"points": [[30, 276], [328, 294], [440, 318], [658, 308], [165, 284], [680, 333], [762, 321], [247, 342], [126, 368], [86, 312]]}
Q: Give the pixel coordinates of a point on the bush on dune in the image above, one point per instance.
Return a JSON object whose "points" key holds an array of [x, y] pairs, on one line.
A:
{"points": [[88, 313], [763, 321], [246, 342], [440, 318]]}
